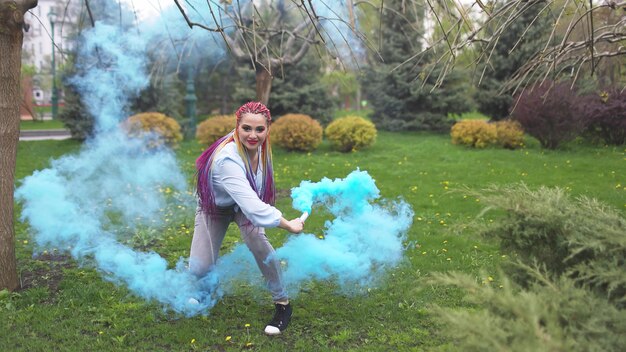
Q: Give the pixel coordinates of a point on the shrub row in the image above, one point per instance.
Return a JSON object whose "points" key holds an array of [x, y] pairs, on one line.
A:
{"points": [[299, 132], [480, 133]]}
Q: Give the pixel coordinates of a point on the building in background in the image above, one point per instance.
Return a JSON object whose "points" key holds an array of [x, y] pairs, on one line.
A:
{"points": [[37, 47]]}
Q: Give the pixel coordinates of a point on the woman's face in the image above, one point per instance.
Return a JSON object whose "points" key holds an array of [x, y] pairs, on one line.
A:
{"points": [[252, 130]]}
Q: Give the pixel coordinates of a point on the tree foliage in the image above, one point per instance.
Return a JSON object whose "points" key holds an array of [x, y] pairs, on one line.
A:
{"points": [[299, 90], [407, 95], [514, 47]]}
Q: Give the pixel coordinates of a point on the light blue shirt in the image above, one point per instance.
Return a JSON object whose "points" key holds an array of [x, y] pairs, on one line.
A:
{"points": [[231, 187]]}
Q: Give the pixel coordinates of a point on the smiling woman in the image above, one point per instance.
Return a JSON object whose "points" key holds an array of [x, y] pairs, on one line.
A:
{"points": [[235, 183]]}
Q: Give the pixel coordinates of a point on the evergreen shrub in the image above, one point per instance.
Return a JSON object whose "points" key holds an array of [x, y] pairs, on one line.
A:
{"points": [[297, 132], [564, 290], [351, 133], [474, 133], [158, 129], [551, 113], [509, 134], [214, 128], [550, 315], [607, 115], [579, 238]]}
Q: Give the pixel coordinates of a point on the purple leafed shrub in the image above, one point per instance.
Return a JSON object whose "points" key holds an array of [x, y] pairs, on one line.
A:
{"points": [[607, 115], [550, 112]]}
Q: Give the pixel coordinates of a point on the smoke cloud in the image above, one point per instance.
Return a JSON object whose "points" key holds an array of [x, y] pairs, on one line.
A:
{"points": [[85, 202]]}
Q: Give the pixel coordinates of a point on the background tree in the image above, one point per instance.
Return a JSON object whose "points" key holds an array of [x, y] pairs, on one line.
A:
{"points": [[406, 94], [299, 89], [581, 35], [523, 38], [270, 35], [11, 38]]}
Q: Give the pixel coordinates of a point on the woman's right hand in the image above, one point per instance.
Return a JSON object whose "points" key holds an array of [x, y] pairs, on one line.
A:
{"points": [[294, 226]]}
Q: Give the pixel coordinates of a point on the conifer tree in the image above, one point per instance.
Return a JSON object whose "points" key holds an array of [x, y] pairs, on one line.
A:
{"points": [[516, 45], [400, 90]]}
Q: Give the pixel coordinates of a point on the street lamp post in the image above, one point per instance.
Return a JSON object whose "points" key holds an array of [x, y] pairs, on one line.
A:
{"points": [[52, 16], [190, 103]]}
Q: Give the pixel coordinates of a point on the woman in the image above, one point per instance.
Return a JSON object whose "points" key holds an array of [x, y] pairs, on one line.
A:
{"points": [[235, 182]]}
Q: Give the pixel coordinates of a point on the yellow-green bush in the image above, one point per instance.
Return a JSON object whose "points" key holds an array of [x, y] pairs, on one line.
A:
{"points": [[351, 133], [212, 129], [157, 128], [510, 134], [297, 132], [474, 133]]}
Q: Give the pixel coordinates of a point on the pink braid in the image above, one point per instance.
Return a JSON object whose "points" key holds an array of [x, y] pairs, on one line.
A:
{"points": [[253, 107]]}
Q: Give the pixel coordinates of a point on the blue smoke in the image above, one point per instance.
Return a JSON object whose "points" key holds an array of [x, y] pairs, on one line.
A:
{"points": [[83, 201], [87, 202], [364, 239]]}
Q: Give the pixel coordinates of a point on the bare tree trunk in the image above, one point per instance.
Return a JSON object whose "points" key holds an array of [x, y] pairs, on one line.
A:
{"points": [[11, 37], [263, 84]]}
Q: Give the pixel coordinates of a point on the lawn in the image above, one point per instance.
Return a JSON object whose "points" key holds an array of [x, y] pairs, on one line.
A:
{"points": [[67, 306], [41, 125]]}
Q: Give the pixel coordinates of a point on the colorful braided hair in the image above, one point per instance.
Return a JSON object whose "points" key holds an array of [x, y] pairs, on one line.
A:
{"points": [[204, 163]]}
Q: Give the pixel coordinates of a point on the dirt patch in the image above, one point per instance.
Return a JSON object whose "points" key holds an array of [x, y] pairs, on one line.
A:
{"points": [[45, 270]]}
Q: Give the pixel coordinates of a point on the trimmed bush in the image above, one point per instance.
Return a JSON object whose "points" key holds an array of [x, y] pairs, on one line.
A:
{"points": [[607, 115], [297, 132], [474, 133], [351, 133], [551, 113], [156, 128], [213, 128], [509, 134]]}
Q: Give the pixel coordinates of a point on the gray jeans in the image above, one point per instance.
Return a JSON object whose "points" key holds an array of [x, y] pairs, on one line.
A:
{"points": [[209, 233]]}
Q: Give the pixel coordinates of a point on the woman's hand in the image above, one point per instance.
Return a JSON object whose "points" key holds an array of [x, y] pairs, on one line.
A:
{"points": [[294, 226]]}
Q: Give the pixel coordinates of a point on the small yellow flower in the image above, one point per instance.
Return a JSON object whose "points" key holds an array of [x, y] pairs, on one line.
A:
{"points": [[25, 242], [228, 338], [424, 253], [248, 344], [193, 341], [247, 325], [490, 278]]}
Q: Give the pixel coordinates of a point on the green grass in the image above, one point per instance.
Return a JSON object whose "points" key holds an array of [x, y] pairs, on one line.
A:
{"points": [[469, 116], [70, 307], [41, 125]]}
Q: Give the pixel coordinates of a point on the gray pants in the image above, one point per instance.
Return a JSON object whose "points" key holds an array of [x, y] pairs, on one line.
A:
{"points": [[209, 233]]}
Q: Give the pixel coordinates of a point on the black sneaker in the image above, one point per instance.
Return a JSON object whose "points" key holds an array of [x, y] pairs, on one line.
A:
{"points": [[281, 319]]}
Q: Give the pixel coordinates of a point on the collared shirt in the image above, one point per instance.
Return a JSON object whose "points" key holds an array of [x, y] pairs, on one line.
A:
{"points": [[231, 187]]}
